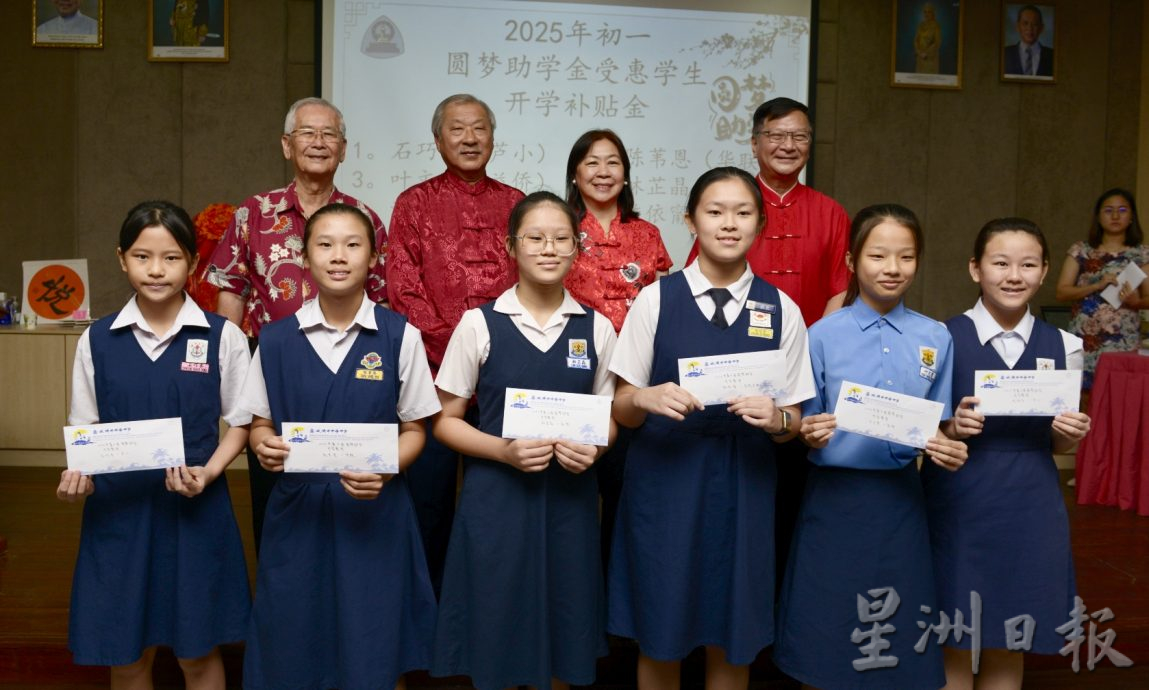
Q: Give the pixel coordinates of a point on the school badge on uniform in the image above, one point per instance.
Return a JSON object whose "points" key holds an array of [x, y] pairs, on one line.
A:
{"points": [[761, 319], [760, 306], [370, 370], [1044, 364], [195, 357], [929, 359], [759, 332], [577, 357]]}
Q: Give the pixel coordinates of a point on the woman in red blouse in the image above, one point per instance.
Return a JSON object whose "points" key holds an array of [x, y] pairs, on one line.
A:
{"points": [[621, 253]]}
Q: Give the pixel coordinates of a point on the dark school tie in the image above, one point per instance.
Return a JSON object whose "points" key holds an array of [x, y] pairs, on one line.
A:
{"points": [[720, 296]]}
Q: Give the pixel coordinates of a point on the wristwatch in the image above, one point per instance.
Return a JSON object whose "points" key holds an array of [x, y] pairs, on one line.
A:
{"points": [[785, 424]]}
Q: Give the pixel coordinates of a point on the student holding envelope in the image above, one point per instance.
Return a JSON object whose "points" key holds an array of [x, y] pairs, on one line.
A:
{"points": [[862, 526], [343, 598], [160, 562], [999, 527], [522, 600], [692, 559]]}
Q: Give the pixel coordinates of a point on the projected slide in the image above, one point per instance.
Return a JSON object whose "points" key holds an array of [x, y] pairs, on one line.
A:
{"points": [[679, 87]]}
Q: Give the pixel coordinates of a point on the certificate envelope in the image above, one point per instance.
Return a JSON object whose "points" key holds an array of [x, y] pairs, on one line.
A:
{"points": [[331, 447], [146, 444], [547, 414], [887, 415], [1045, 393], [1131, 274], [715, 380]]}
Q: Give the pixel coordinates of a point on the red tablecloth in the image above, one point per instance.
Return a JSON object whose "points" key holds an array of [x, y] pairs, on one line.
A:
{"points": [[1113, 460]]}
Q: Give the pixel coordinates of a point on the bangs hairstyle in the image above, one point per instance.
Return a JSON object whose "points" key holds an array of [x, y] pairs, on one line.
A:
{"points": [[346, 210], [534, 200], [869, 218], [1133, 235], [726, 173], [166, 215], [578, 153], [1000, 225]]}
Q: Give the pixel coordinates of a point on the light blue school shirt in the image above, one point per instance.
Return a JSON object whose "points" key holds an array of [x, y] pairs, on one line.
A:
{"points": [[902, 351]]}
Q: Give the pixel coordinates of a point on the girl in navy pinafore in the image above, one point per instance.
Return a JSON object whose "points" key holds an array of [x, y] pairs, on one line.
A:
{"points": [[999, 527], [692, 561], [161, 561], [343, 598], [523, 600]]}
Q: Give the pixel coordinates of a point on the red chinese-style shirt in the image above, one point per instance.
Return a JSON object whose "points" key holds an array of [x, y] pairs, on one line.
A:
{"points": [[447, 253], [611, 268], [260, 256], [802, 251]]}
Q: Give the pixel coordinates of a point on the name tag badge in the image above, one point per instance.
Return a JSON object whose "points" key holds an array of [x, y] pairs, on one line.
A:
{"points": [[760, 306], [927, 373], [369, 374], [196, 351], [761, 319], [759, 332], [1044, 364], [578, 363], [197, 367]]}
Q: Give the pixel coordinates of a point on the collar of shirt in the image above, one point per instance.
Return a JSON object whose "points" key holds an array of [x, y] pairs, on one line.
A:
{"points": [[189, 315], [988, 328], [866, 317], [508, 303], [462, 185], [311, 318], [787, 198], [698, 283]]}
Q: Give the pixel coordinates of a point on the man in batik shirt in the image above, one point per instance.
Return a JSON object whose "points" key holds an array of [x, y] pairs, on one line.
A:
{"points": [[258, 263], [447, 254]]}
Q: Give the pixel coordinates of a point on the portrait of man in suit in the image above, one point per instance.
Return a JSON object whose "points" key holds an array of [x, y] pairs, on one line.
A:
{"points": [[1027, 57]]}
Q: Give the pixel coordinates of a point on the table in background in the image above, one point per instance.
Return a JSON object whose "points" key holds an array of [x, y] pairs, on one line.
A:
{"points": [[1113, 460]]}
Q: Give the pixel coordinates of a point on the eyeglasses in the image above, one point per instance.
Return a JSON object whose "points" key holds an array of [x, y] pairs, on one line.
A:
{"points": [[777, 136], [308, 135], [535, 244], [1115, 210]]}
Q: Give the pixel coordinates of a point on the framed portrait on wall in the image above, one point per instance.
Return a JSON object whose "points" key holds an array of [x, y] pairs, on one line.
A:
{"points": [[187, 30], [68, 23], [1028, 41], [927, 44]]}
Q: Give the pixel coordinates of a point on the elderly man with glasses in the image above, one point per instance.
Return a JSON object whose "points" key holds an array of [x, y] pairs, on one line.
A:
{"points": [[258, 263]]}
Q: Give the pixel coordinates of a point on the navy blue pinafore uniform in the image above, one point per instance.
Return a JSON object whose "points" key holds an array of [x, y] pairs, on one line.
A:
{"points": [[692, 560], [343, 598], [999, 526], [157, 568], [523, 599]]}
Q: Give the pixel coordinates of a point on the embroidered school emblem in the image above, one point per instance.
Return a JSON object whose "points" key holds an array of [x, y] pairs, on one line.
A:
{"points": [[370, 371], [760, 319], [929, 356], [197, 351], [576, 347], [1044, 364]]}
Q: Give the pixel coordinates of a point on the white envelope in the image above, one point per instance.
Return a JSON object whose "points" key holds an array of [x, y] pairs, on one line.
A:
{"points": [[887, 415], [331, 447], [1044, 393], [716, 379], [546, 414], [147, 444], [1131, 274]]}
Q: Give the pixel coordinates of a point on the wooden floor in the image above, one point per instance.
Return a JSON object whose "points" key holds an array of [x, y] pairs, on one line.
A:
{"points": [[1111, 549]]}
